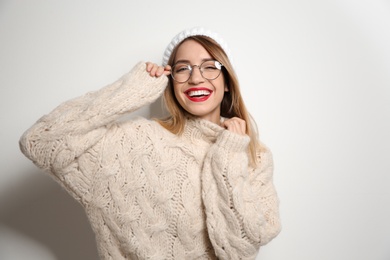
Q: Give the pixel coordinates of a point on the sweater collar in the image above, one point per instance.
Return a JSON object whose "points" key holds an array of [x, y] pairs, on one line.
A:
{"points": [[197, 129]]}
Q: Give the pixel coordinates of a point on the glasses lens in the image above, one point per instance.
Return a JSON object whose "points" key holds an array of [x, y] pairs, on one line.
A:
{"points": [[181, 72], [211, 69]]}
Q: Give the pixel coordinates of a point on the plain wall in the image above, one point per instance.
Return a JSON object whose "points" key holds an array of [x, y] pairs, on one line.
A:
{"points": [[314, 74]]}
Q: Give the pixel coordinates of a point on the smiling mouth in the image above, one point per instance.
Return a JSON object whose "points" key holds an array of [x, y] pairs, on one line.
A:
{"points": [[198, 93]]}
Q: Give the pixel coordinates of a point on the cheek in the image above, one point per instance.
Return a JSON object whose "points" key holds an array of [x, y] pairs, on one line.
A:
{"points": [[178, 93], [222, 82], [222, 85], [176, 90]]}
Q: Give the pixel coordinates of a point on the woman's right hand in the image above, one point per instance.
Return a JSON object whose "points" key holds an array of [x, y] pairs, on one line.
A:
{"points": [[156, 70]]}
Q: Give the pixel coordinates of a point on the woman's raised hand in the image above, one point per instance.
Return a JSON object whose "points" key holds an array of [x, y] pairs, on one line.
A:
{"points": [[235, 125], [156, 70]]}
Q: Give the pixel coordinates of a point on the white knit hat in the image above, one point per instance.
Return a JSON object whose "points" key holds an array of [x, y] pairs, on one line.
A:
{"points": [[193, 32]]}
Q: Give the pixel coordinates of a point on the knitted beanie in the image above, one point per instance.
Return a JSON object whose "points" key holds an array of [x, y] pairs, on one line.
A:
{"points": [[193, 32]]}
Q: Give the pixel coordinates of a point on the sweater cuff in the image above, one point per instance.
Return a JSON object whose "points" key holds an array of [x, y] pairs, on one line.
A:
{"points": [[232, 141]]}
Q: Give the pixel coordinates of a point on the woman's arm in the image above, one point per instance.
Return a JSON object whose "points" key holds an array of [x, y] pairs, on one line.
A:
{"points": [[241, 202], [58, 139]]}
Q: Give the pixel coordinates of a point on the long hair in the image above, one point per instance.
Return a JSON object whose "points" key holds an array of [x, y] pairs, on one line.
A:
{"points": [[232, 103]]}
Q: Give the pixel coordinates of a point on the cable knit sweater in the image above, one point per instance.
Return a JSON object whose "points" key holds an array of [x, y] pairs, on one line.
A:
{"points": [[150, 194]]}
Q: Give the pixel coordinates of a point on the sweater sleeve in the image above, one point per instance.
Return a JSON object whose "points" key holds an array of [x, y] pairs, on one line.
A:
{"points": [[241, 202], [58, 139]]}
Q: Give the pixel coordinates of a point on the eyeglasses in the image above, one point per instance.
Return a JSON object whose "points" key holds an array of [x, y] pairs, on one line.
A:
{"points": [[209, 69]]}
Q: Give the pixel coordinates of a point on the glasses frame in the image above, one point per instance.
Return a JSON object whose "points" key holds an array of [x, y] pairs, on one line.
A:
{"points": [[199, 67]]}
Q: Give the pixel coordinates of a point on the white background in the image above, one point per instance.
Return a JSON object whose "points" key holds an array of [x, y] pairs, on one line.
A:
{"points": [[315, 75]]}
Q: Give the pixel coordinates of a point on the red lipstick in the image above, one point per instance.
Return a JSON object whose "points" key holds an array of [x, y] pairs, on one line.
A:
{"points": [[198, 94]]}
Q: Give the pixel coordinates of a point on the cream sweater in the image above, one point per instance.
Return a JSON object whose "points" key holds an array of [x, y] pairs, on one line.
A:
{"points": [[150, 194]]}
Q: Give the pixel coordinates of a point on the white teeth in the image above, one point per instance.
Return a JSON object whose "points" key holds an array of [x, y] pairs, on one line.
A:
{"points": [[198, 93]]}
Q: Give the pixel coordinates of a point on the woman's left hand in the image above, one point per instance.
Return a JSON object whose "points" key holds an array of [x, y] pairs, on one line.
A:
{"points": [[235, 125]]}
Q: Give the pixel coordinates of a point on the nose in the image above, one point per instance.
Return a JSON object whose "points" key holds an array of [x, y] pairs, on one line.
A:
{"points": [[196, 76]]}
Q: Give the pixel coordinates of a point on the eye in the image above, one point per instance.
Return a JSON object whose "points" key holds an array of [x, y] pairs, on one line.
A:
{"points": [[182, 68], [211, 65]]}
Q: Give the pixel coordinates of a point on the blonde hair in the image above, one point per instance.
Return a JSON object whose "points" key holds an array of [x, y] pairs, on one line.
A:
{"points": [[232, 104]]}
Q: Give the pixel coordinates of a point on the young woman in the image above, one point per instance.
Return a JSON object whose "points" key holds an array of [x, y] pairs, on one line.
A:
{"points": [[195, 185]]}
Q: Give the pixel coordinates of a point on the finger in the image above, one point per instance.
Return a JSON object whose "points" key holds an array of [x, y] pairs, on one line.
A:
{"points": [[241, 124], [230, 125], [153, 70], [149, 66], [167, 70], [243, 127], [235, 125], [160, 71]]}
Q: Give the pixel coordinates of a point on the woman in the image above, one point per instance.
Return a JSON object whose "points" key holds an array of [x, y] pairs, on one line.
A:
{"points": [[196, 185]]}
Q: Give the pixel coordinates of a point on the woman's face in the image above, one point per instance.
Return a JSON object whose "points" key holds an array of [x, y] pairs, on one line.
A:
{"points": [[209, 93]]}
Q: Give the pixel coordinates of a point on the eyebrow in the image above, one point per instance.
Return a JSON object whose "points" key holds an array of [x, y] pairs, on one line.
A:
{"points": [[187, 61]]}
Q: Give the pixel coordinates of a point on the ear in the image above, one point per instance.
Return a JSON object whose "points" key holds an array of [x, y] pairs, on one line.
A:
{"points": [[226, 88]]}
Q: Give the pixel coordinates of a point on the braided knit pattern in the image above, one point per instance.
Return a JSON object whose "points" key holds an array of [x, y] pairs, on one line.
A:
{"points": [[150, 194]]}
